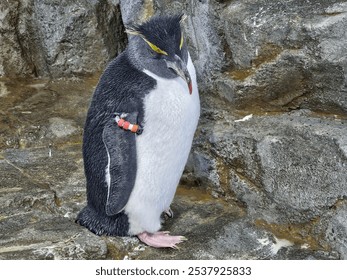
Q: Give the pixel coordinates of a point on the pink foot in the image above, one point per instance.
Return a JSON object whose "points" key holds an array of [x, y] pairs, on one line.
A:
{"points": [[161, 239]]}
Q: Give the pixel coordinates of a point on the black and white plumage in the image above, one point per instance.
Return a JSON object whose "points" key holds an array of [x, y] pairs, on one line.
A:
{"points": [[132, 179]]}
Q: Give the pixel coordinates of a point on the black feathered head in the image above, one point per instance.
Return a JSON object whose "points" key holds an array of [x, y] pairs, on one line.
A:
{"points": [[162, 33], [160, 47]]}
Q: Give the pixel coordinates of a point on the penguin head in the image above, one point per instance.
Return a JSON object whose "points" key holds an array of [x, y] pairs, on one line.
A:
{"points": [[158, 45]]}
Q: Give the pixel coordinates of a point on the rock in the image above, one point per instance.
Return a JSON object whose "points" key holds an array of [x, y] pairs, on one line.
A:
{"points": [[284, 56], [336, 230], [258, 55], [286, 169], [241, 240], [49, 237], [11, 59], [23, 127], [61, 128], [202, 168], [54, 38]]}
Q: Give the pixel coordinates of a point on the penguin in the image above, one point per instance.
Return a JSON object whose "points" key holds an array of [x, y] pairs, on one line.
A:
{"points": [[138, 134]]}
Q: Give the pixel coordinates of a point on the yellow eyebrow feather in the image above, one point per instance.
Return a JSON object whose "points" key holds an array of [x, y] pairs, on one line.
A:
{"points": [[181, 42], [154, 47]]}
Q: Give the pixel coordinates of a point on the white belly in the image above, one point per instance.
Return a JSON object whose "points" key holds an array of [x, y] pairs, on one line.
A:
{"points": [[171, 118]]}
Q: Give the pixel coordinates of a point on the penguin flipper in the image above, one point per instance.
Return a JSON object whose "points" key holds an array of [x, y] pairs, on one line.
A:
{"points": [[121, 169]]}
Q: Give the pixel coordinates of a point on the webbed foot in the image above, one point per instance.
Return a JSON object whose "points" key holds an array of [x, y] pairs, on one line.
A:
{"points": [[161, 239]]}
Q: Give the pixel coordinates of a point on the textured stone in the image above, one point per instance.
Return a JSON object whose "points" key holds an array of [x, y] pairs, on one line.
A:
{"points": [[39, 235], [284, 55], [287, 169], [336, 229], [58, 38], [11, 59], [61, 128], [258, 55]]}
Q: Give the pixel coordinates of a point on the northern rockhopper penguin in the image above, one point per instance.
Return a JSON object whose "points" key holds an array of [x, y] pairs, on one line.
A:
{"points": [[138, 134]]}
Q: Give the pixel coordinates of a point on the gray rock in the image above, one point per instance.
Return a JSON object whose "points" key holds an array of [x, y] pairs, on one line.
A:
{"points": [[258, 55], [203, 168], [55, 38], [12, 61], [241, 240], [336, 229], [62, 128], [39, 235], [286, 169], [284, 55]]}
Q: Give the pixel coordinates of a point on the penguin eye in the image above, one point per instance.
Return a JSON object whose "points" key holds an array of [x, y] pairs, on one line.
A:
{"points": [[155, 48], [181, 42]]}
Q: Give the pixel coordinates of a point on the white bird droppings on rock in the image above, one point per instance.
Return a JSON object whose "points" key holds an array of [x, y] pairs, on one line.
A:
{"points": [[246, 118]]}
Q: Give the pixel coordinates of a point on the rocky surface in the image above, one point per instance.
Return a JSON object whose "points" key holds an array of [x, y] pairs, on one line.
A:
{"points": [[287, 169], [266, 177], [58, 38], [42, 189]]}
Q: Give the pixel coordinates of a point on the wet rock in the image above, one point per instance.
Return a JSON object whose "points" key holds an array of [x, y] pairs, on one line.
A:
{"points": [[241, 240], [286, 169], [11, 60], [31, 116], [3, 89], [61, 128], [40, 235]]}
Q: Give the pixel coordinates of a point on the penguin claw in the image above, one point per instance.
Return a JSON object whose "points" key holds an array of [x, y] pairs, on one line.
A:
{"points": [[168, 212]]}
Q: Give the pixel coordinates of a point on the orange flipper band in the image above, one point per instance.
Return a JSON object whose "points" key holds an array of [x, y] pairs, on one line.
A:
{"points": [[120, 122], [126, 125], [135, 128]]}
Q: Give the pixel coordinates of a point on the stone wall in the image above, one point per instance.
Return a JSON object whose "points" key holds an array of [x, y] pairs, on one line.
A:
{"points": [[282, 64], [58, 38]]}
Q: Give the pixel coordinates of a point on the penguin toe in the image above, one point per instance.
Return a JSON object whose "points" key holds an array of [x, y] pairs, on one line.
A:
{"points": [[169, 213]]}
